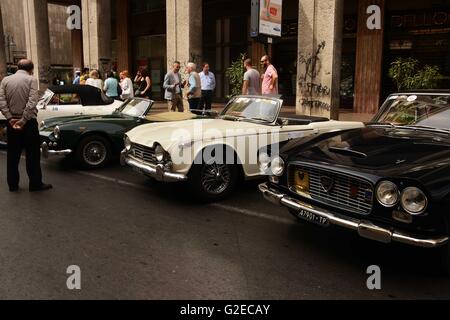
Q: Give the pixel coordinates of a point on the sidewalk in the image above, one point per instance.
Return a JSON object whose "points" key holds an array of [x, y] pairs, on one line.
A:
{"points": [[344, 115]]}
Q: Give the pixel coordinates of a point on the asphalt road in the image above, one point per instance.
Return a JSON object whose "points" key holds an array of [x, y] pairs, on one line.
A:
{"points": [[137, 239]]}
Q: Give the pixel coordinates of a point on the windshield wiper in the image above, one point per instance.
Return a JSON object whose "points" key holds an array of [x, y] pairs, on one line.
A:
{"points": [[427, 128], [258, 119], [233, 118], [381, 124]]}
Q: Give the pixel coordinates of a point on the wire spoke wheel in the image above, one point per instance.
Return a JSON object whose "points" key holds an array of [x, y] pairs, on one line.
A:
{"points": [[94, 153], [215, 178]]}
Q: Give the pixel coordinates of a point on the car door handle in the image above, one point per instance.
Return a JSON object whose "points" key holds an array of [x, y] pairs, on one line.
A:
{"points": [[78, 113]]}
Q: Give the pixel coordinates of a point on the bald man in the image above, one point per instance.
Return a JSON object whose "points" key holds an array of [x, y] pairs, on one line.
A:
{"points": [[18, 100]]}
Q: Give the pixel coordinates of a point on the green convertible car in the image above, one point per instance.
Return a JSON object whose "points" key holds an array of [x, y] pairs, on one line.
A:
{"points": [[96, 140]]}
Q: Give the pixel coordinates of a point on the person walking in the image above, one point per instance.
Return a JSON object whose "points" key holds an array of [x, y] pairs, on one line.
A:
{"points": [[77, 79], [208, 81], [127, 85], [94, 80], [194, 93], [252, 80], [270, 78], [18, 99], [111, 86], [173, 88], [144, 85]]}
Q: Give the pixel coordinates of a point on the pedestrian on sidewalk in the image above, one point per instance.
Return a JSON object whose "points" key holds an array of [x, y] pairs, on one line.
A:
{"points": [[270, 77], [208, 81], [111, 86], [84, 76], [194, 85], [127, 85], [173, 87], [94, 80], [18, 99], [77, 79], [144, 85], [252, 80]]}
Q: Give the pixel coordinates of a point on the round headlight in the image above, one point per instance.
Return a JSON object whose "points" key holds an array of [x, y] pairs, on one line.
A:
{"points": [[56, 132], [264, 162], [387, 194], [414, 201], [127, 143], [159, 153], [277, 166]]}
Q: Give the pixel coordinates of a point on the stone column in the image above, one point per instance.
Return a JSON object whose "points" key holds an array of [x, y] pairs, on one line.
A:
{"points": [[369, 59], [184, 31], [77, 49], [38, 39], [2, 49], [123, 38], [96, 22], [319, 62]]}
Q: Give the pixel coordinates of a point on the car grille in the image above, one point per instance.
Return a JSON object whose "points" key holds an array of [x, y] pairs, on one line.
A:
{"points": [[344, 191], [143, 153]]}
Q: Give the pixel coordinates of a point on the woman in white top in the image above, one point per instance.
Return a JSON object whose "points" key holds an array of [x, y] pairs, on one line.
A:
{"points": [[127, 85], [94, 80]]}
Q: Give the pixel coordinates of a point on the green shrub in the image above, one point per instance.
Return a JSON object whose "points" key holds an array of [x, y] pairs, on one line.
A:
{"points": [[235, 75], [407, 74]]}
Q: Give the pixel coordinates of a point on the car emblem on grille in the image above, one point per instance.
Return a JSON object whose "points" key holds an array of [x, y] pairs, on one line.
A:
{"points": [[327, 183]]}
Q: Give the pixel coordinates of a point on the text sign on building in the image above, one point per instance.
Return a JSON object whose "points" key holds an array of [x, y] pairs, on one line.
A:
{"points": [[267, 18]]}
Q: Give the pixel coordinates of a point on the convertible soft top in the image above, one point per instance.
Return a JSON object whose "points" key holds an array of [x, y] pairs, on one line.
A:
{"points": [[89, 95]]}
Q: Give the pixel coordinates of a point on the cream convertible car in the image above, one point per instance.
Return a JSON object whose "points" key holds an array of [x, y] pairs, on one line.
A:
{"points": [[212, 154]]}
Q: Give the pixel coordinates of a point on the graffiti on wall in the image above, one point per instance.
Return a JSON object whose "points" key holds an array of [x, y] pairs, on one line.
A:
{"points": [[312, 90]]}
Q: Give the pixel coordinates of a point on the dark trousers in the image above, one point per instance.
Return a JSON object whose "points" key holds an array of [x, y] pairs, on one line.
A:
{"points": [[28, 138], [206, 101], [194, 103]]}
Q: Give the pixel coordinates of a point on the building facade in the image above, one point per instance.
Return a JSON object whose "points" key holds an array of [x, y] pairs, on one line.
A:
{"points": [[333, 54]]}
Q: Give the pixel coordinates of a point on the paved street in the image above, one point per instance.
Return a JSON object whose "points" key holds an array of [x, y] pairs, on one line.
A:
{"points": [[136, 239]]}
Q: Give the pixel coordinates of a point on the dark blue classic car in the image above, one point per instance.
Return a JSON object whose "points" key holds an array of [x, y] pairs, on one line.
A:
{"points": [[388, 181]]}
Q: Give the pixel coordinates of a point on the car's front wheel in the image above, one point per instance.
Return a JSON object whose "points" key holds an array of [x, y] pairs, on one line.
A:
{"points": [[213, 181], [93, 152]]}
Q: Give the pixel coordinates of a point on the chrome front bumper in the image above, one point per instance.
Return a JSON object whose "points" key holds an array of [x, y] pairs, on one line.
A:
{"points": [[158, 172], [365, 229], [46, 152]]}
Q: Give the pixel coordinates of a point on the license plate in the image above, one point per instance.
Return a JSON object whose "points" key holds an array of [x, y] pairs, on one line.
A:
{"points": [[312, 217]]}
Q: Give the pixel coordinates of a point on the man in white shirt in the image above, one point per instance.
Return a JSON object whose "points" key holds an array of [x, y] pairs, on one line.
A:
{"points": [[208, 81]]}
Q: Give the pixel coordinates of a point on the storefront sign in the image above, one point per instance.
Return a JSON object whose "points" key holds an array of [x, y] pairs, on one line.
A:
{"points": [[415, 20], [267, 18], [270, 17]]}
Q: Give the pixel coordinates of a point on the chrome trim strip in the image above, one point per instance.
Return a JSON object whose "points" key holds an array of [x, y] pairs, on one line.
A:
{"points": [[157, 172], [45, 152], [365, 229]]}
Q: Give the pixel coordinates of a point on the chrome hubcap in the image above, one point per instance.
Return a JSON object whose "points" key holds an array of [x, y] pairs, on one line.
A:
{"points": [[94, 153], [215, 178]]}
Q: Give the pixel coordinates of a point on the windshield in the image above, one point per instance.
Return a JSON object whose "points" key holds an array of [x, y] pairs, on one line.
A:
{"points": [[253, 109], [424, 110], [135, 108]]}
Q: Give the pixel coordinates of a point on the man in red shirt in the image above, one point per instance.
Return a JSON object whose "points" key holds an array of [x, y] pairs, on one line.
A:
{"points": [[270, 78]]}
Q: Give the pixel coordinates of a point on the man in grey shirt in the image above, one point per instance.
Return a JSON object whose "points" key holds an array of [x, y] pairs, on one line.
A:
{"points": [[252, 80], [18, 99]]}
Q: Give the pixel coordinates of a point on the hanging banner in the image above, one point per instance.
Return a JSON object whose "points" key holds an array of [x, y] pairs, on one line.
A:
{"points": [[270, 17]]}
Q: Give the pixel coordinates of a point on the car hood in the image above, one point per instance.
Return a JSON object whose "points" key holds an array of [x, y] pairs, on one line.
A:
{"points": [[381, 152], [170, 133]]}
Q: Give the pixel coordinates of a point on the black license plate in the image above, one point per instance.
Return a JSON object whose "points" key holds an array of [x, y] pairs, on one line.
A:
{"points": [[312, 217]]}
